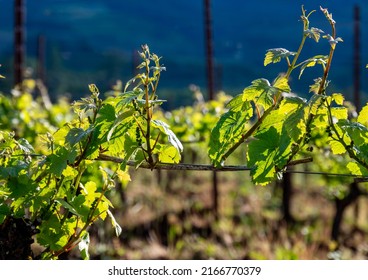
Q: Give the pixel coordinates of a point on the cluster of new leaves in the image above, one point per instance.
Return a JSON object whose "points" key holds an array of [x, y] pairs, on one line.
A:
{"points": [[52, 175], [47, 181], [126, 125], [274, 123]]}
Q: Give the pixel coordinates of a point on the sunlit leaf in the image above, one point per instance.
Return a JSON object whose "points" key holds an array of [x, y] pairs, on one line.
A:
{"points": [[169, 154], [311, 62], [260, 93], [25, 146], [123, 176], [281, 83], [363, 116], [76, 135], [336, 147], [83, 246], [339, 113], [67, 206], [314, 33], [236, 103], [357, 169], [173, 140], [116, 226], [228, 131], [60, 160], [268, 152], [275, 55], [70, 172]]}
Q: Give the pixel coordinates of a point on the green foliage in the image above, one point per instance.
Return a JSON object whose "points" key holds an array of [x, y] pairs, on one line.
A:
{"points": [[275, 127], [275, 55], [53, 161], [53, 184]]}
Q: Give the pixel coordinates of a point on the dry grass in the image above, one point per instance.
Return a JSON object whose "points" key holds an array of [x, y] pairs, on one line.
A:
{"points": [[174, 220]]}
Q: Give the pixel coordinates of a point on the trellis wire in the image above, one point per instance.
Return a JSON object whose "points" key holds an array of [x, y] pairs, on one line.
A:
{"points": [[227, 168]]}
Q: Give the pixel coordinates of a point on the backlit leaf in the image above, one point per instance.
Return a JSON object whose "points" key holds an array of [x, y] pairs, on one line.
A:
{"points": [[267, 153], [275, 55], [311, 62], [76, 135], [314, 33], [259, 92], [169, 154], [357, 169], [228, 131], [339, 113], [173, 140], [281, 83], [336, 147], [338, 98], [61, 159], [84, 245], [363, 116], [116, 226]]}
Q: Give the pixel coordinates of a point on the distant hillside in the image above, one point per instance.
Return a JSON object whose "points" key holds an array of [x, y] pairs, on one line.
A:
{"points": [[94, 41]]}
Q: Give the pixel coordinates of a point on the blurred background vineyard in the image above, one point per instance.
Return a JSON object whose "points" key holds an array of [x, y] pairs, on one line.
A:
{"points": [[193, 214]]}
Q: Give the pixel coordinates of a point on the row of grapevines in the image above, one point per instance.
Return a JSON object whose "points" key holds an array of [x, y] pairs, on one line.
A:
{"points": [[54, 171]]}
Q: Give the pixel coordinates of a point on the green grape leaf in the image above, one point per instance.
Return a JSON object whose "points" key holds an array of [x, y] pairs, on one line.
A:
{"points": [[173, 140], [69, 173], [338, 98], [110, 132], [363, 116], [236, 103], [169, 154], [123, 118], [106, 114], [281, 84], [340, 113], [102, 209], [294, 110], [66, 205], [275, 55], [54, 234], [357, 169], [336, 147], [76, 135], [25, 146], [315, 103], [358, 134], [130, 148], [356, 131], [261, 92], [228, 131], [314, 33], [83, 245], [127, 97], [59, 161], [79, 205], [115, 225], [267, 154], [104, 121], [311, 62]]}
